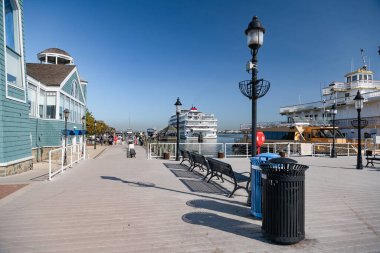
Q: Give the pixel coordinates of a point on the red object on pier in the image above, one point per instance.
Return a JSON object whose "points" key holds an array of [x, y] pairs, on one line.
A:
{"points": [[260, 139]]}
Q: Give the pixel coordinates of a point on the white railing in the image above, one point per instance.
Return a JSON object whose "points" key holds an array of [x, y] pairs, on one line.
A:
{"points": [[57, 161], [157, 150]]}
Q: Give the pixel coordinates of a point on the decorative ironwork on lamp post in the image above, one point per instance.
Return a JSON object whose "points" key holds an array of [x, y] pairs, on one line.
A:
{"points": [[359, 102], [254, 89], [95, 134], [333, 112], [66, 113], [177, 111]]}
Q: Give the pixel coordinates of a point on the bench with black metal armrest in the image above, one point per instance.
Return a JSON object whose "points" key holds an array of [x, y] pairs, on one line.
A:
{"points": [[222, 168], [185, 156], [371, 158], [199, 161]]}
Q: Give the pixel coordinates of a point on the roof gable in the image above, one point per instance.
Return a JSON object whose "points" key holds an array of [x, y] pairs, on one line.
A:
{"points": [[49, 74]]}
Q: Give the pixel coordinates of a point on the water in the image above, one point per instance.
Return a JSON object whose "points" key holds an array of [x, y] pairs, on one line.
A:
{"points": [[212, 146]]}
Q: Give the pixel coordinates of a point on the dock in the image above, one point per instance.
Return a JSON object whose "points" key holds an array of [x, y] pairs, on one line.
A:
{"points": [[111, 203]]}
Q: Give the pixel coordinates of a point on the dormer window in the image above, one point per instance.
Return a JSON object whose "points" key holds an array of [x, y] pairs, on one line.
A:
{"points": [[14, 74]]}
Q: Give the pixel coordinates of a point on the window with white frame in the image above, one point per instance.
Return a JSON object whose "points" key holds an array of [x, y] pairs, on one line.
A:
{"points": [[32, 100], [42, 103], [61, 105], [13, 57], [51, 101], [74, 89], [67, 105]]}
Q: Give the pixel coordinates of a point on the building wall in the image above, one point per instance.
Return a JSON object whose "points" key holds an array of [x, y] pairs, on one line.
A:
{"points": [[14, 119], [48, 133], [68, 85]]}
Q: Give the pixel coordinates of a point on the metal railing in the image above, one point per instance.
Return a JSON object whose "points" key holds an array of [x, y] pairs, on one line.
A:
{"points": [[157, 150], [74, 154]]}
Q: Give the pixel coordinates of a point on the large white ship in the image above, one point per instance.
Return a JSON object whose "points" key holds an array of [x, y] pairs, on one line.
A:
{"points": [[193, 123], [342, 94]]}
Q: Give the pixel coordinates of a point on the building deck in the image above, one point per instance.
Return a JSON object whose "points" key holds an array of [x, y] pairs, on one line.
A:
{"points": [[111, 203]]}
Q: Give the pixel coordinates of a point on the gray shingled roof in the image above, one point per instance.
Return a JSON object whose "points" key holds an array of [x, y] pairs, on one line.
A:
{"points": [[49, 74]]}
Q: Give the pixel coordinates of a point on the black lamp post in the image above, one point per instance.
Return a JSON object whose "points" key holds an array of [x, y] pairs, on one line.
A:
{"points": [[333, 112], [359, 101], [66, 113], [95, 134], [177, 111], [83, 134], [254, 89]]}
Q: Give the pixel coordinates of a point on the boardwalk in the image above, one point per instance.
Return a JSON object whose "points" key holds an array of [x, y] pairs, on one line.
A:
{"points": [[115, 204]]}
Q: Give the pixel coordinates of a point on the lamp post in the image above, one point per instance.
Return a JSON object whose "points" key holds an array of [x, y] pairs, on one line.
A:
{"points": [[66, 113], [177, 112], [83, 134], [359, 99], [254, 89], [333, 112], [95, 134]]}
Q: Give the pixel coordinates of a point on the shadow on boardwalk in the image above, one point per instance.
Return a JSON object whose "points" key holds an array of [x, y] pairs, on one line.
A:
{"points": [[148, 184]]}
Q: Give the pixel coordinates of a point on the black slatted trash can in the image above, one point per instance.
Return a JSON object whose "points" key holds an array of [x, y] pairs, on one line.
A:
{"points": [[283, 204]]}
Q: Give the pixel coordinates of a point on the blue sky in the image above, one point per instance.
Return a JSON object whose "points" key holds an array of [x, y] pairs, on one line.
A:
{"points": [[139, 56]]}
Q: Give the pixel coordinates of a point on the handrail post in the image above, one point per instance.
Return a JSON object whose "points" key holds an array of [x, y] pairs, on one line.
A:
{"points": [[71, 157], [49, 165], [78, 152], [62, 158]]}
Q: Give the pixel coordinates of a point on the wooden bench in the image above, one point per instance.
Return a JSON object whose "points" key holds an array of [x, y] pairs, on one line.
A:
{"points": [[185, 156], [371, 158], [201, 162], [223, 168]]}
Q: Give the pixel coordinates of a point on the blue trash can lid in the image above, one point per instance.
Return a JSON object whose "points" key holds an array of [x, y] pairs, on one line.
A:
{"points": [[261, 158]]}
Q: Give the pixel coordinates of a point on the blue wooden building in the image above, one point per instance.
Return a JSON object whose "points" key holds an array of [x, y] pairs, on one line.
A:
{"points": [[33, 97]]}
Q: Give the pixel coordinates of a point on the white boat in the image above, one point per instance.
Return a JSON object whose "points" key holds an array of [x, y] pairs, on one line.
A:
{"points": [[129, 131], [342, 94], [193, 124]]}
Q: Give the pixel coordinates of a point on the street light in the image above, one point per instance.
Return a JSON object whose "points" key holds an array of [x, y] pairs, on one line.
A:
{"points": [[254, 89], [359, 99], [177, 111], [66, 113], [95, 134], [333, 112], [83, 134]]}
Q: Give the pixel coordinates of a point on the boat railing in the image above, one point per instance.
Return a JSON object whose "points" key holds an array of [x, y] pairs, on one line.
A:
{"points": [[327, 103], [369, 84]]}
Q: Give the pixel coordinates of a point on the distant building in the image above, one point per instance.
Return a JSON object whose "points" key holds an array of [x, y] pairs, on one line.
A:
{"points": [[33, 97]]}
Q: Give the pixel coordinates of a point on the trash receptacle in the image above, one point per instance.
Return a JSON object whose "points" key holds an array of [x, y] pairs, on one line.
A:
{"points": [[255, 197], [283, 205]]}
